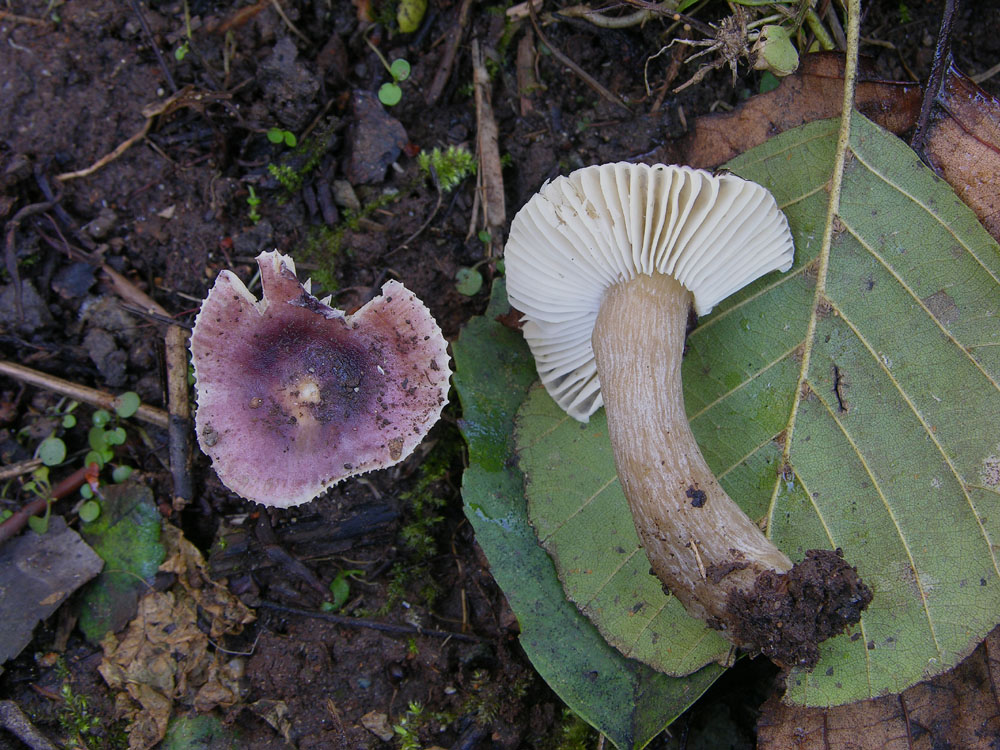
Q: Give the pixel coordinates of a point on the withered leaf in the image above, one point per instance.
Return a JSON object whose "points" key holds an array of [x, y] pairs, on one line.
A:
{"points": [[962, 143], [957, 709], [814, 92]]}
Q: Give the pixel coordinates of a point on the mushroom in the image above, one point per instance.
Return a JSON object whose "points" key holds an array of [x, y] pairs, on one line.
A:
{"points": [[604, 266], [295, 396]]}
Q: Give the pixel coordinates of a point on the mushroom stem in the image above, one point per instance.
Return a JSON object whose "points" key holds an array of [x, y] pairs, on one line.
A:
{"points": [[710, 555]]}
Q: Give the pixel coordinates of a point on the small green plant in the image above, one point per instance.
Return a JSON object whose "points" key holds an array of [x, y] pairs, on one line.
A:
{"points": [[407, 730], [77, 721], [182, 50], [340, 589], [389, 93], [278, 136], [447, 168], [39, 485], [253, 200]]}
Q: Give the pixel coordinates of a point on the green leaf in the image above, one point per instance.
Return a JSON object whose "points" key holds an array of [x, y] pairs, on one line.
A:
{"points": [[52, 451], [468, 281], [115, 437], [94, 457], [69, 421], [576, 504], [854, 401], [89, 511], [97, 438], [127, 404], [400, 69], [86, 491], [275, 135], [290, 140], [390, 94], [626, 700], [39, 524], [100, 418], [127, 537], [120, 473]]}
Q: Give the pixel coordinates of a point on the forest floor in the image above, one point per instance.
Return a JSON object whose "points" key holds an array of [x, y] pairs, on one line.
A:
{"points": [[194, 95]]}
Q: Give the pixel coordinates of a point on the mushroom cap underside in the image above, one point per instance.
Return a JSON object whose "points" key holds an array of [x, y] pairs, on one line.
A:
{"points": [[295, 396], [606, 224]]}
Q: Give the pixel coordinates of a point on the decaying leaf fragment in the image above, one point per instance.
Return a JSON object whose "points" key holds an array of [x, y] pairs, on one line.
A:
{"points": [[957, 709], [811, 93], [164, 657], [962, 143]]}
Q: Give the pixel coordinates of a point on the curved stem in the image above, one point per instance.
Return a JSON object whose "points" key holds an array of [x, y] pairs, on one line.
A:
{"points": [[699, 542], [713, 558]]}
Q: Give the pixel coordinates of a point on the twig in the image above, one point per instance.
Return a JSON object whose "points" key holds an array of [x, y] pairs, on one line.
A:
{"points": [[92, 396], [14, 720], [448, 58], [21, 467], [288, 22], [23, 19], [942, 59], [490, 172], [10, 257], [108, 158], [360, 622], [178, 403], [152, 43], [580, 72], [16, 522]]}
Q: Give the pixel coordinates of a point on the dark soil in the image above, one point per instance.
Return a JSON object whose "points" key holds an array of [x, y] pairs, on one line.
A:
{"points": [[172, 211]]}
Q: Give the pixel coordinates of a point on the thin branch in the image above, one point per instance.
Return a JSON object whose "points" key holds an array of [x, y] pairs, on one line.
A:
{"points": [[361, 622], [92, 396]]}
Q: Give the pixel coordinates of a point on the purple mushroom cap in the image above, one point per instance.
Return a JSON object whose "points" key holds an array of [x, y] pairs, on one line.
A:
{"points": [[294, 396]]}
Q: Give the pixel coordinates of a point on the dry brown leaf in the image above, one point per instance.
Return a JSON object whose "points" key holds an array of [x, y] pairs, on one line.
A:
{"points": [[163, 656], [963, 143], [812, 93], [959, 709]]}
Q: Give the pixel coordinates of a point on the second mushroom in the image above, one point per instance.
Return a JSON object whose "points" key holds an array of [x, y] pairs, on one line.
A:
{"points": [[605, 265]]}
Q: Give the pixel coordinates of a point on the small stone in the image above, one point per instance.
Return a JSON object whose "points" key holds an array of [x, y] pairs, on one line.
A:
{"points": [[375, 141], [100, 227], [36, 314], [377, 723]]}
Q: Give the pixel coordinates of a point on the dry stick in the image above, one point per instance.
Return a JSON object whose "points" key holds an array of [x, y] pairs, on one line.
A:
{"points": [[19, 520], [448, 59], [179, 406], [14, 720], [24, 19], [10, 257], [583, 75], [490, 172], [360, 622], [942, 59], [21, 467], [92, 396]]}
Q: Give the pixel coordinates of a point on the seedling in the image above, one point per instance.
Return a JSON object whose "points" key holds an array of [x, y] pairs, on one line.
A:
{"points": [[278, 136], [390, 93], [253, 200], [340, 589]]}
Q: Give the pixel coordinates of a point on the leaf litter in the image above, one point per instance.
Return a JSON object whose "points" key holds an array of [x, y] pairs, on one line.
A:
{"points": [[164, 658]]}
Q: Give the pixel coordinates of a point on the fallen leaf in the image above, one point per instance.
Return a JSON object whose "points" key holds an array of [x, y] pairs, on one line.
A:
{"points": [[164, 657], [814, 92], [962, 143], [957, 709]]}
